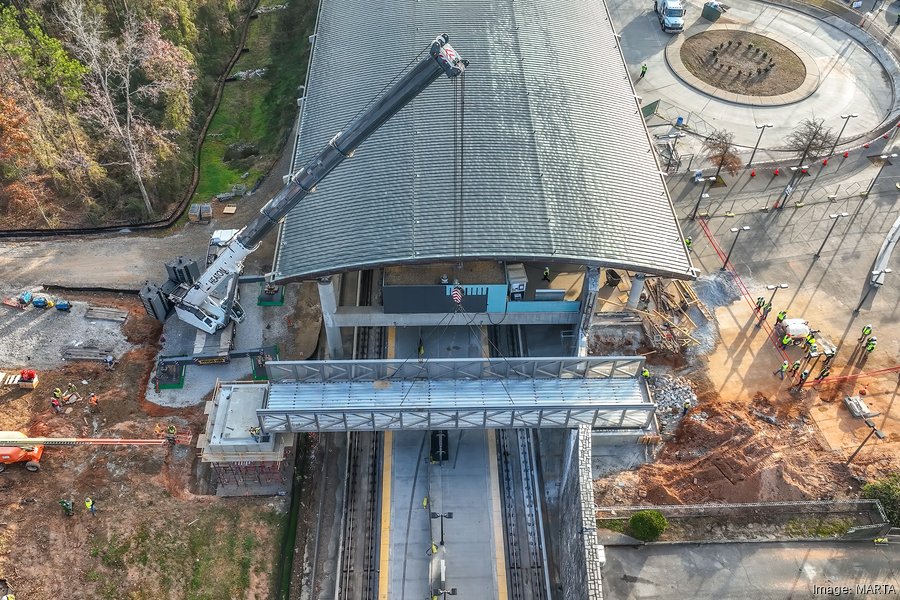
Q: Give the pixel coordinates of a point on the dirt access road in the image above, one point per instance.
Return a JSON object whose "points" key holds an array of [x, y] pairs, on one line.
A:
{"points": [[124, 261]]}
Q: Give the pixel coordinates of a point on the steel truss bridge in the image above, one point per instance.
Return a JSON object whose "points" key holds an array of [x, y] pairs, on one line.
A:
{"points": [[456, 393]]}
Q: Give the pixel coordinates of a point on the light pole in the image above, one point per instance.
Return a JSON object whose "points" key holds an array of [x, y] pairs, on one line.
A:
{"points": [[846, 119], [875, 431], [835, 216], [448, 515], [775, 288], [762, 129], [884, 158], [789, 188], [703, 194], [674, 136], [737, 233], [436, 591]]}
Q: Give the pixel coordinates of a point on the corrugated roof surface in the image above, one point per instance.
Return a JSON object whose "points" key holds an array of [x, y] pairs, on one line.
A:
{"points": [[558, 164], [524, 394]]}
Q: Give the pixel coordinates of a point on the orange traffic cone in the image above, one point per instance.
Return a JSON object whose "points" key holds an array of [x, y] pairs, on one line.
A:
{"points": [[753, 173], [846, 154], [775, 172], [824, 162]]}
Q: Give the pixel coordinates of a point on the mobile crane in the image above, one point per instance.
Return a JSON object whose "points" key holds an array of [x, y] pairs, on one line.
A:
{"points": [[192, 295]]}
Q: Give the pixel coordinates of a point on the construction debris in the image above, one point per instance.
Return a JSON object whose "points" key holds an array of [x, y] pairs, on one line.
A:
{"points": [[671, 394], [106, 314]]}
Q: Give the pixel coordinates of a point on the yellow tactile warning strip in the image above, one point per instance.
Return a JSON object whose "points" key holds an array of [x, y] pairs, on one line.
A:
{"points": [[383, 575], [385, 543], [497, 517], [391, 342]]}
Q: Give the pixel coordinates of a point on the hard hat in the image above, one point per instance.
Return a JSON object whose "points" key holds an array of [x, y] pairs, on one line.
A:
{"points": [[689, 237], [873, 339]]}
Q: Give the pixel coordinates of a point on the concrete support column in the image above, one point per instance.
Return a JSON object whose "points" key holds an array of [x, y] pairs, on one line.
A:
{"points": [[328, 298], [588, 301], [637, 286]]}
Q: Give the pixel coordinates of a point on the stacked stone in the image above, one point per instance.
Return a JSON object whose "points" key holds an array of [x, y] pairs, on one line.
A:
{"points": [[670, 394]]}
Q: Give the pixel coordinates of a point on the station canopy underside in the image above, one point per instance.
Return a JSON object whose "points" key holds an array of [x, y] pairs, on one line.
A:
{"points": [[549, 161], [462, 394]]}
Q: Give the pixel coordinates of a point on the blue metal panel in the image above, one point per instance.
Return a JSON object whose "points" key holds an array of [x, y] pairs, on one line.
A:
{"points": [[544, 306]]}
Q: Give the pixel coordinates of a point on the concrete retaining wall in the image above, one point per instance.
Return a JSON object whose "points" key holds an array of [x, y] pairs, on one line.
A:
{"points": [[579, 549]]}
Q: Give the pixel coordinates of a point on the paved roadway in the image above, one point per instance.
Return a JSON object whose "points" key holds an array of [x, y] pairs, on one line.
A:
{"points": [[767, 571]]}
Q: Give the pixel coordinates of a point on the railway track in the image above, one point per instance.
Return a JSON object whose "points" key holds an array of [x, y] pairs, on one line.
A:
{"points": [[523, 524], [358, 577]]}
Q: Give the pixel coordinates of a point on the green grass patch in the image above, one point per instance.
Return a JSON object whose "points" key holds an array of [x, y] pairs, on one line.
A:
{"points": [[617, 525], [824, 527], [258, 111]]}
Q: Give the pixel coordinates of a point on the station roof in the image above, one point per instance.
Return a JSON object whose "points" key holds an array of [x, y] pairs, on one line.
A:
{"points": [[557, 163]]}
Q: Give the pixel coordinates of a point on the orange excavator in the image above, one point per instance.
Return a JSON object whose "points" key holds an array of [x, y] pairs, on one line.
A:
{"points": [[16, 447]]}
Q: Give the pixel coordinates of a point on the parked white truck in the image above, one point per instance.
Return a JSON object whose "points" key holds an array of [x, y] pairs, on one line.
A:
{"points": [[670, 14]]}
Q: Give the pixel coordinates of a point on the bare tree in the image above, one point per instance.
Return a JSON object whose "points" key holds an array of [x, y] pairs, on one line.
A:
{"points": [[810, 138], [135, 67], [721, 151]]}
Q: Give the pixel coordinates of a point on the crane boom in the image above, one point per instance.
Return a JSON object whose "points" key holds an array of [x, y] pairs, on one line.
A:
{"points": [[15, 442], [195, 304]]}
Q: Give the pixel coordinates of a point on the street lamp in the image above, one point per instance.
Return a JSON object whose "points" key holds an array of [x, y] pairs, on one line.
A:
{"points": [[875, 431], [702, 181], [672, 152], [830, 229], [846, 119], [884, 158], [448, 515], [737, 232], [436, 591], [775, 288], [789, 188], [762, 129]]}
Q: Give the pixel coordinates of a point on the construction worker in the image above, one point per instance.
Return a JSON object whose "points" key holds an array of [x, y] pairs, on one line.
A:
{"points": [[760, 302], [803, 377], [171, 432], [68, 507], [781, 370], [686, 407], [110, 362], [809, 339], [421, 349], [824, 373], [767, 308], [643, 70], [786, 340], [689, 242], [870, 344], [795, 367], [89, 504], [546, 274], [70, 389], [57, 393], [54, 402], [93, 400], [781, 316], [255, 432], [645, 372], [425, 502], [866, 331], [829, 355]]}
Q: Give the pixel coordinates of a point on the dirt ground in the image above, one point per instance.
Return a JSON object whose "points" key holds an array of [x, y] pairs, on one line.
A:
{"points": [[156, 534], [726, 60], [752, 438]]}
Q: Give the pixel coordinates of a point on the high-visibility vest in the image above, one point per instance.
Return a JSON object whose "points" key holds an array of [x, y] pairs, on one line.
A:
{"points": [[786, 339], [866, 330]]}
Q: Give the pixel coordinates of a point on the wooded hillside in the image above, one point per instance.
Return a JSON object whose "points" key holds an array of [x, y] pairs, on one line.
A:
{"points": [[101, 102]]}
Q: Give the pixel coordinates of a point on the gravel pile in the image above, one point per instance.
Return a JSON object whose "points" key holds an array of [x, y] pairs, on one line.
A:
{"points": [[670, 394], [36, 337], [717, 289]]}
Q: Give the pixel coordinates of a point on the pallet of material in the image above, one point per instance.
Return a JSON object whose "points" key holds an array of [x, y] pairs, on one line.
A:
{"points": [[106, 314], [86, 353]]}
